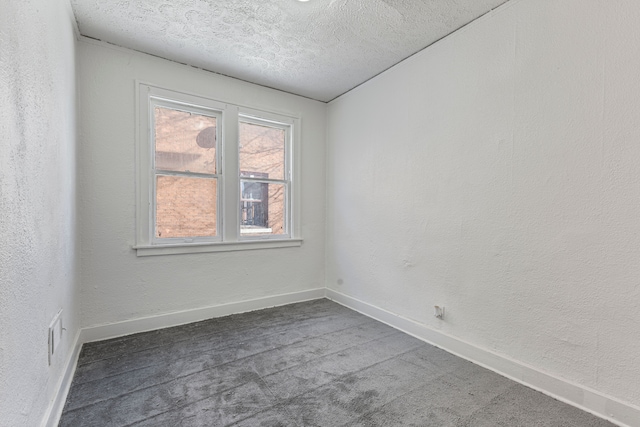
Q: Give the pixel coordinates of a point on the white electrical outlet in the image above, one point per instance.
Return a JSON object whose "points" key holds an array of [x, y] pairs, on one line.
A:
{"points": [[55, 334], [438, 312]]}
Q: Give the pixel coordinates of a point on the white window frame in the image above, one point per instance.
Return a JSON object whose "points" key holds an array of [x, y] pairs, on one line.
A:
{"points": [[155, 101], [260, 118], [228, 116]]}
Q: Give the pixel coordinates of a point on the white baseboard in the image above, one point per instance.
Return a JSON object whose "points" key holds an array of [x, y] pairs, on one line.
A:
{"points": [[618, 412], [607, 407], [52, 416], [166, 320]]}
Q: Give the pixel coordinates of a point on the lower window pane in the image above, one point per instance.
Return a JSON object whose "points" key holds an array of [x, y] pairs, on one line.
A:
{"points": [[262, 208], [185, 207]]}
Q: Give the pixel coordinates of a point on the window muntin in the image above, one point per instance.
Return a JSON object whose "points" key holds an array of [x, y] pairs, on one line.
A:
{"points": [[263, 151]]}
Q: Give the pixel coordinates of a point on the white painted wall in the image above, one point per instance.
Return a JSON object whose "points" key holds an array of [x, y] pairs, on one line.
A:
{"points": [[496, 174], [38, 248], [117, 285]]}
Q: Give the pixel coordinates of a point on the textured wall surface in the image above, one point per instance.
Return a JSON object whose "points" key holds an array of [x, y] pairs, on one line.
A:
{"points": [[501, 181], [119, 286], [318, 49], [37, 202]]}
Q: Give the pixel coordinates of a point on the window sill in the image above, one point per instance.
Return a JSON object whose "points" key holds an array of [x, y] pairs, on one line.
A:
{"points": [[197, 248]]}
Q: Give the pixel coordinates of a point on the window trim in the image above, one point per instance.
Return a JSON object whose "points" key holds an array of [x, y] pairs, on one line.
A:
{"points": [[197, 248], [228, 236]]}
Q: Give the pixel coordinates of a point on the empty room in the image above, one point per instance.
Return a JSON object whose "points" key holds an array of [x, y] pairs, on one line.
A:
{"points": [[320, 213]]}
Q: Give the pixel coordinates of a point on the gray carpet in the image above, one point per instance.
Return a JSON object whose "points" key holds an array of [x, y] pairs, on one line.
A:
{"points": [[309, 364]]}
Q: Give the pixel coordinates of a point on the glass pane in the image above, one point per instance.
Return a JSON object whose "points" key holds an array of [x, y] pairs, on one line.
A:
{"points": [[185, 142], [185, 207], [262, 208], [261, 151]]}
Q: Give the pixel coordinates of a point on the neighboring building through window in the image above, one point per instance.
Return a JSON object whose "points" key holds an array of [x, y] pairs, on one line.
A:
{"points": [[188, 194], [254, 202]]}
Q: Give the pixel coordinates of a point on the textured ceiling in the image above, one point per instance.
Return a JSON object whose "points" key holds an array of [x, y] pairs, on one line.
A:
{"points": [[319, 49]]}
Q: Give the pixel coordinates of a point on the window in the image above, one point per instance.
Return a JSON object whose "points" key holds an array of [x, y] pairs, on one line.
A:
{"points": [[184, 142], [264, 185], [212, 176]]}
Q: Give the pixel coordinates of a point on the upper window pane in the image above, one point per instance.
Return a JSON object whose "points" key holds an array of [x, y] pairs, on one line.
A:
{"points": [[185, 142], [262, 151]]}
